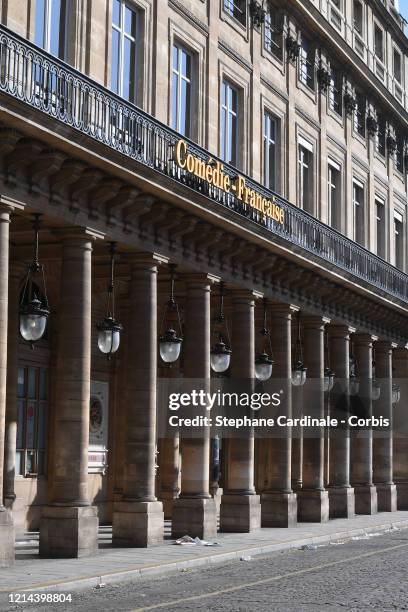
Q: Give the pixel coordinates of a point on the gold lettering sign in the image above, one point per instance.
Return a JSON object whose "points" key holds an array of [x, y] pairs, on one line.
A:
{"points": [[213, 174]]}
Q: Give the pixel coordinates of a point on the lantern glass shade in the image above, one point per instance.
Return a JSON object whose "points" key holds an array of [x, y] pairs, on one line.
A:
{"points": [[109, 336], [354, 386], [170, 346], [263, 367], [299, 373], [396, 393], [33, 320], [220, 357], [375, 390], [328, 379]]}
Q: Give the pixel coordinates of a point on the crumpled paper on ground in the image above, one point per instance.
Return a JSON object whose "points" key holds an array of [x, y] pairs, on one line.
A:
{"points": [[189, 541]]}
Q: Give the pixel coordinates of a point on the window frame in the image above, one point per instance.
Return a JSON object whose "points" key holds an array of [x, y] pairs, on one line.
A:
{"points": [[181, 47], [122, 37], [48, 26], [359, 233], [334, 220], [225, 109], [306, 64], [380, 220], [231, 7], [399, 253], [266, 137], [305, 147]]}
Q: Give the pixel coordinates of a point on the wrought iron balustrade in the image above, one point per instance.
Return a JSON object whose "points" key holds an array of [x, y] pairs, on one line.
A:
{"points": [[45, 83]]}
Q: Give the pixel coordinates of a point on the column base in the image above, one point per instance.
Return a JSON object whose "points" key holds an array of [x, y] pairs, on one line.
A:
{"points": [[366, 501], [402, 495], [194, 517], [137, 524], [7, 555], [168, 503], [341, 502], [387, 497], [313, 506], [69, 531], [279, 509], [240, 513]]}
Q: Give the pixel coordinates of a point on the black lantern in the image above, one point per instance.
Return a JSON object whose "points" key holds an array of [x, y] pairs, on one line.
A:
{"points": [[170, 339], [299, 371], [396, 393], [328, 372], [264, 361], [34, 310], [221, 351], [109, 329], [354, 382], [375, 386]]}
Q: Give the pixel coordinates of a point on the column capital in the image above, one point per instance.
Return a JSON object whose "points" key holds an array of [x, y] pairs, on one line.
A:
{"points": [[197, 279], [144, 259], [385, 346], [281, 310], [8, 204], [78, 234], [244, 295], [341, 331], [361, 339], [315, 322]]}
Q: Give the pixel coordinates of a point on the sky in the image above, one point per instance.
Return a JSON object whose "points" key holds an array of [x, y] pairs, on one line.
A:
{"points": [[403, 8]]}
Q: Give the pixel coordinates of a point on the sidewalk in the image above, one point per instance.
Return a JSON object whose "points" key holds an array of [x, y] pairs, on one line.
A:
{"points": [[112, 565]]}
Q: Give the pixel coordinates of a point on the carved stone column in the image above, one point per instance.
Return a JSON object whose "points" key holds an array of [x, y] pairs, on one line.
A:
{"points": [[400, 363], [69, 525], [279, 502], [313, 499], [240, 507], [138, 519], [341, 494], [362, 440], [194, 512], [6, 519], [383, 439], [16, 275]]}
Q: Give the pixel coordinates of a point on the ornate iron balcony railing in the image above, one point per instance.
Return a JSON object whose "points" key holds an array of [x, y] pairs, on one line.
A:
{"points": [[45, 83]]}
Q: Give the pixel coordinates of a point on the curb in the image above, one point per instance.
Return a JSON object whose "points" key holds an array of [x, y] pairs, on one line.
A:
{"points": [[168, 568]]}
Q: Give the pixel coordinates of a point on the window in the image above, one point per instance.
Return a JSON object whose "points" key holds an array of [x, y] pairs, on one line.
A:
{"points": [[335, 92], [360, 115], [32, 406], [378, 42], [272, 34], [336, 13], [124, 50], [358, 211], [181, 90], [399, 153], [229, 123], [358, 17], [381, 136], [236, 9], [270, 150], [397, 71], [334, 193], [380, 227], [50, 25], [305, 174], [398, 240], [306, 64]]}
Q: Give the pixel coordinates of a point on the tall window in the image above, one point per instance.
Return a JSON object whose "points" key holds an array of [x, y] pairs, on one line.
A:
{"points": [[32, 406], [399, 153], [380, 226], [358, 17], [50, 25], [270, 150], [181, 90], [235, 8], [124, 50], [305, 174], [381, 136], [360, 115], [272, 34], [358, 211], [397, 71], [334, 193], [399, 240], [335, 91], [306, 63], [229, 123], [379, 42]]}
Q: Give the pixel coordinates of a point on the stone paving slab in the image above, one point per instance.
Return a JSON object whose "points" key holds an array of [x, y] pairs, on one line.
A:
{"points": [[112, 565]]}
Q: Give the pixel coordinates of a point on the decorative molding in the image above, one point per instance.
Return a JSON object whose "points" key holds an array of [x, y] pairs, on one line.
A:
{"points": [[279, 92], [223, 46], [184, 12]]}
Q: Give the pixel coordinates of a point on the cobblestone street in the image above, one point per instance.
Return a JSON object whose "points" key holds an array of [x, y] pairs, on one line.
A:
{"points": [[367, 573]]}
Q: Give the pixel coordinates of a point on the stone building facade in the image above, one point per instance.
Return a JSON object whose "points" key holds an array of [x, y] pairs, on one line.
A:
{"points": [[261, 145]]}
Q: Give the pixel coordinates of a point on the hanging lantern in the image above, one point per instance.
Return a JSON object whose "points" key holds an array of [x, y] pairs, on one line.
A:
{"points": [[264, 361], [221, 351], [34, 310], [328, 381], [109, 329], [354, 383], [170, 340], [396, 393], [375, 386], [299, 371]]}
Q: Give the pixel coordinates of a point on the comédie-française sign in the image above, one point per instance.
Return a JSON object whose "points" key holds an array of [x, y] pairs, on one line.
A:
{"points": [[212, 172]]}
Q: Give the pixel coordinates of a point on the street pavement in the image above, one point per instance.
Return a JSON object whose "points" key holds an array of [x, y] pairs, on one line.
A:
{"points": [[363, 573]]}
